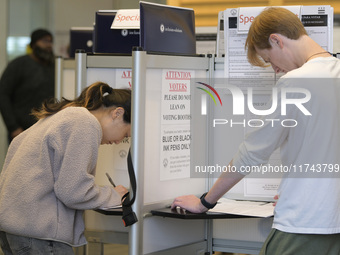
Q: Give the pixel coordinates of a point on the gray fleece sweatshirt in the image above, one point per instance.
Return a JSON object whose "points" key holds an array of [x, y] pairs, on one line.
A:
{"points": [[48, 178]]}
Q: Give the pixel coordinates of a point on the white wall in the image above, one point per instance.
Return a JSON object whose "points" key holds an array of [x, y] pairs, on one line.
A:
{"points": [[26, 16], [76, 13], [81, 13]]}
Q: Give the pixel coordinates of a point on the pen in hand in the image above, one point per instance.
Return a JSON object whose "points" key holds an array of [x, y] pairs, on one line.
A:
{"points": [[110, 180]]}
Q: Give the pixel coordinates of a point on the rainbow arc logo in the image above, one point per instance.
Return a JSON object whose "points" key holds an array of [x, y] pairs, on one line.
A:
{"points": [[204, 98]]}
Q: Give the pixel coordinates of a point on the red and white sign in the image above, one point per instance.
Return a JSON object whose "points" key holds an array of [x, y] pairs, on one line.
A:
{"points": [[126, 19], [247, 15]]}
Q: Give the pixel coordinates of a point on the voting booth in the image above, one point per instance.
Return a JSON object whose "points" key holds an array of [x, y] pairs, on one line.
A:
{"points": [[167, 29], [162, 107], [108, 40], [154, 78], [174, 141], [80, 38]]}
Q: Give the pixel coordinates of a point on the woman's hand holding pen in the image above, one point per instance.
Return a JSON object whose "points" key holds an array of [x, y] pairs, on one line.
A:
{"points": [[121, 190]]}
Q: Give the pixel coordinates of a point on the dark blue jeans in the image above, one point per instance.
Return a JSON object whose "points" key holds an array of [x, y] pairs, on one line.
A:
{"points": [[21, 245]]}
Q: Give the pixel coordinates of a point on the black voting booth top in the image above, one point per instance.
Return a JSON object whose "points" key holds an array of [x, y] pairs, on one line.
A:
{"points": [[179, 213]]}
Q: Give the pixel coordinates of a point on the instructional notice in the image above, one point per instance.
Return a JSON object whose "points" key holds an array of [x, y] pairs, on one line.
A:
{"points": [[175, 124], [123, 78], [316, 19]]}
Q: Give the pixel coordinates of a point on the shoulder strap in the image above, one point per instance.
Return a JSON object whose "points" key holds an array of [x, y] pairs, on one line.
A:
{"points": [[129, 217]]}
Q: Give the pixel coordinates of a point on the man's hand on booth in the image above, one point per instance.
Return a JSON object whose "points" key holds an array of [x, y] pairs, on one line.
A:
{"points": [[190, 203]]}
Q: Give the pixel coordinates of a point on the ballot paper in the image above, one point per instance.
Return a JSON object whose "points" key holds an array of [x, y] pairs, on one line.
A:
{"points": [[105, 208], [245, 208]]}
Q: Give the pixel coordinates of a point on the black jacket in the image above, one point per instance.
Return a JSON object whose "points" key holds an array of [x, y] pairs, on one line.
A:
{"points": [[24, 85]]}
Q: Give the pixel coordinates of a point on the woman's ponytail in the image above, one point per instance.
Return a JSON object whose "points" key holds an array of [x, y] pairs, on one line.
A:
{"points": [[93, 97]]}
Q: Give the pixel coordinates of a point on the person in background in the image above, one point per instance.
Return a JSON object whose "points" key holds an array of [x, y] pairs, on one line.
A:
{"points": [[307, 213], [47, 180], [26, 82]]}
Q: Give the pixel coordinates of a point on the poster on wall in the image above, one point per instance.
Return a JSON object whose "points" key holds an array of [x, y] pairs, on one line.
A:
{"points": [[318, 22], [175, 124]]}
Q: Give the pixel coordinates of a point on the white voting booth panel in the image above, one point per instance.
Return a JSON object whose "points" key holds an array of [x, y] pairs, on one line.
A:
{"points": [[153, 191], [226, 139], [162, 81], [157, 185], [107, 157], [112, 159], [244, 235]]}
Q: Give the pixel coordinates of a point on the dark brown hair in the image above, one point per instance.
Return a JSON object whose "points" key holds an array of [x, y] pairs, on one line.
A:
{"points": [[93, 97]]}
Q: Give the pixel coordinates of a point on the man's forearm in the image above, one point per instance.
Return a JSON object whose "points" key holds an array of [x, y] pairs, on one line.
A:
{"points": [[224, 183]]}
